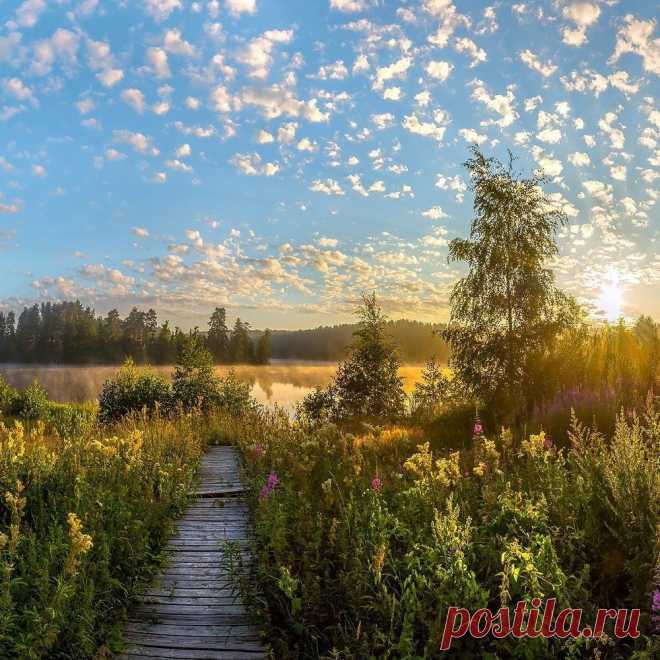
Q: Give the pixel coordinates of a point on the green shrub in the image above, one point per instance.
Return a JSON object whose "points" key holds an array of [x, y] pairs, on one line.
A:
{"points": [[31, 404], [194, 384], [7, 396], [133, 391]]}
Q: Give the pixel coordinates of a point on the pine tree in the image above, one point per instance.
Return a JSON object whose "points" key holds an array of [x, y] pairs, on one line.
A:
{"points": [[218, 335]]}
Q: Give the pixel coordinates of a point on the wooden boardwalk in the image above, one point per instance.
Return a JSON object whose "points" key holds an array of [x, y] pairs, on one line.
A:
{"points": [[192, 609]]}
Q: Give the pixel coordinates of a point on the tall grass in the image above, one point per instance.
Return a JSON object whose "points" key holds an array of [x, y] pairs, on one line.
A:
{"points": [[364, 540], [83, 516]]}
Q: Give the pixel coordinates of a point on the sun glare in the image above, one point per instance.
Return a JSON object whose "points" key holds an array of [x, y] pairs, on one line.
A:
{"points": [[610, 300]]}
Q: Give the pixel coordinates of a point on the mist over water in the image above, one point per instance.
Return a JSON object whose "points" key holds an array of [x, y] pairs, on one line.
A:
{"points": [[283, 382]]}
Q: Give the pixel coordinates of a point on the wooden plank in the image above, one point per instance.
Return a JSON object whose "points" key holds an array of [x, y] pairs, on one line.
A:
{"points": [[192, 609], [137, 651]]}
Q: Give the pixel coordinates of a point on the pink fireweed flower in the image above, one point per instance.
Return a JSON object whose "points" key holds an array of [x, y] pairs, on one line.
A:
{"points": [[547, 443], [376, 484], [273, 480], [264, 492], [478, 428]]}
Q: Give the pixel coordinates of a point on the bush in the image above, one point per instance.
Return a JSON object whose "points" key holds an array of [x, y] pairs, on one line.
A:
{"points": [[31, 403], [7, 396], [194, 383], [233, 395], [133, 391]]}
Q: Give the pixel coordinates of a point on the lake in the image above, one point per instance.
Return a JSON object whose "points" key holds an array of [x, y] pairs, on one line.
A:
{"points": [[282, 382]]}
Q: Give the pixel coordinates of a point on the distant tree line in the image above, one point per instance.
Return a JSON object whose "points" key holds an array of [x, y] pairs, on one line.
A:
{"points": [[69, 333], [416, 341]]}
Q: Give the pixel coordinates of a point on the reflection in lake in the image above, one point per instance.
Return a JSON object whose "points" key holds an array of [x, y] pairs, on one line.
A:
{"points": [[282, 382]]}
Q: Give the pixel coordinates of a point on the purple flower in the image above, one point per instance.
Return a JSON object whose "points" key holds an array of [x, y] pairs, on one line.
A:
{"points": [[264, 492], [547, 443], [273, 480], [478, 429], [376, 484]]}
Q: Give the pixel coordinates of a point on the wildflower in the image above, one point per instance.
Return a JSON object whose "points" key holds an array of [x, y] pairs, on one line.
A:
{"points": [[327, 486], [377, 562], [258, 449], [81, 544], [264, 492], [273, 480], [478, 428], [547, 443], [376, 484]]}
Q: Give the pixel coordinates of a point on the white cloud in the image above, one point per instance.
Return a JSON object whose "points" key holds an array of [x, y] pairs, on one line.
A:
{"points": [[264, 137], [501, 104], [350, 6], [434, 213], [398, 69], [18, 89], [158, 64], [327, 186], [307, 145], [28, 13], [183, 151], [140, 232], [470, 135], [533, 62], [361, 64], [39, 170], [382, 121], [439, 69], [636, 36], [178, 165], [173, 43], [618, 172], [392, 94], [237, 7], [335, 71], [257, 55], [276, 101], [252, 165], [583, 14], [160, 10], [413, 124], [134, 98], [85, 105], [587, 81], [579, 159], [140, 142], [477, 55], [616, 135], [62, 47], [192, 103]]}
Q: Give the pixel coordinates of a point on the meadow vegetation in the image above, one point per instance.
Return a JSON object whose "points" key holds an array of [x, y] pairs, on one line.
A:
{"points": [[529, 469]]}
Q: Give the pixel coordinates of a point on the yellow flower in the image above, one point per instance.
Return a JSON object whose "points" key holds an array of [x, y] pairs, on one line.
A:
{"points": [[378, 561], [81, 544]]}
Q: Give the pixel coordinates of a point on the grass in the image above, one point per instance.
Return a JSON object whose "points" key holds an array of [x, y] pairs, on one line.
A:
{"points": [[82, 519], [368, 538]]}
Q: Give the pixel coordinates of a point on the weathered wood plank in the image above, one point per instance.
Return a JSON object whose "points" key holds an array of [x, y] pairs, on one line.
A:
{"points": [[192, 609]]}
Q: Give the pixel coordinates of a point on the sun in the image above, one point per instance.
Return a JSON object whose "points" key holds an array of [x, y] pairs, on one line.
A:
{"points": [[610, 299]]}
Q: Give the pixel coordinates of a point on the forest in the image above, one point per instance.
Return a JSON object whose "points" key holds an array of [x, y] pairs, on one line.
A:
{"points": [[70, 333]]}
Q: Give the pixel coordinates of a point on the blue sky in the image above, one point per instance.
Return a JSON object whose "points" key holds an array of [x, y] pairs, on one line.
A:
{"points": [[278, 157]]}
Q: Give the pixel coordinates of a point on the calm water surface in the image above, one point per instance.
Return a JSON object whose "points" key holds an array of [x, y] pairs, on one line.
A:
{"points": [[283, 382]]}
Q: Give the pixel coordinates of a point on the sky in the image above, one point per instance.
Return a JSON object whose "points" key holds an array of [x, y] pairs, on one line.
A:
{"points": [[278, 157]]}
